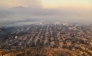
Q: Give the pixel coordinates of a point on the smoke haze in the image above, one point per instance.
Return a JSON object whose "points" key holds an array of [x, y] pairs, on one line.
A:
{"points": [[32, 10]]}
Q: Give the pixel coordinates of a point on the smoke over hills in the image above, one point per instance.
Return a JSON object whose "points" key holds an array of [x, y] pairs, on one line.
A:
{"points": [[17, 14]]}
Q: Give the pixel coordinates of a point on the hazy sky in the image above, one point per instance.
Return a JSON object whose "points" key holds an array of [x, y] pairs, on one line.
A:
{"points": [[47, 3], [24, 3], [55, 10], [66, 3]]}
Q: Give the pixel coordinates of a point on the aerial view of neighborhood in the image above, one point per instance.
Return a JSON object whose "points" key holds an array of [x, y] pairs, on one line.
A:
{"points": [[45, 27], [47, 39]]}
